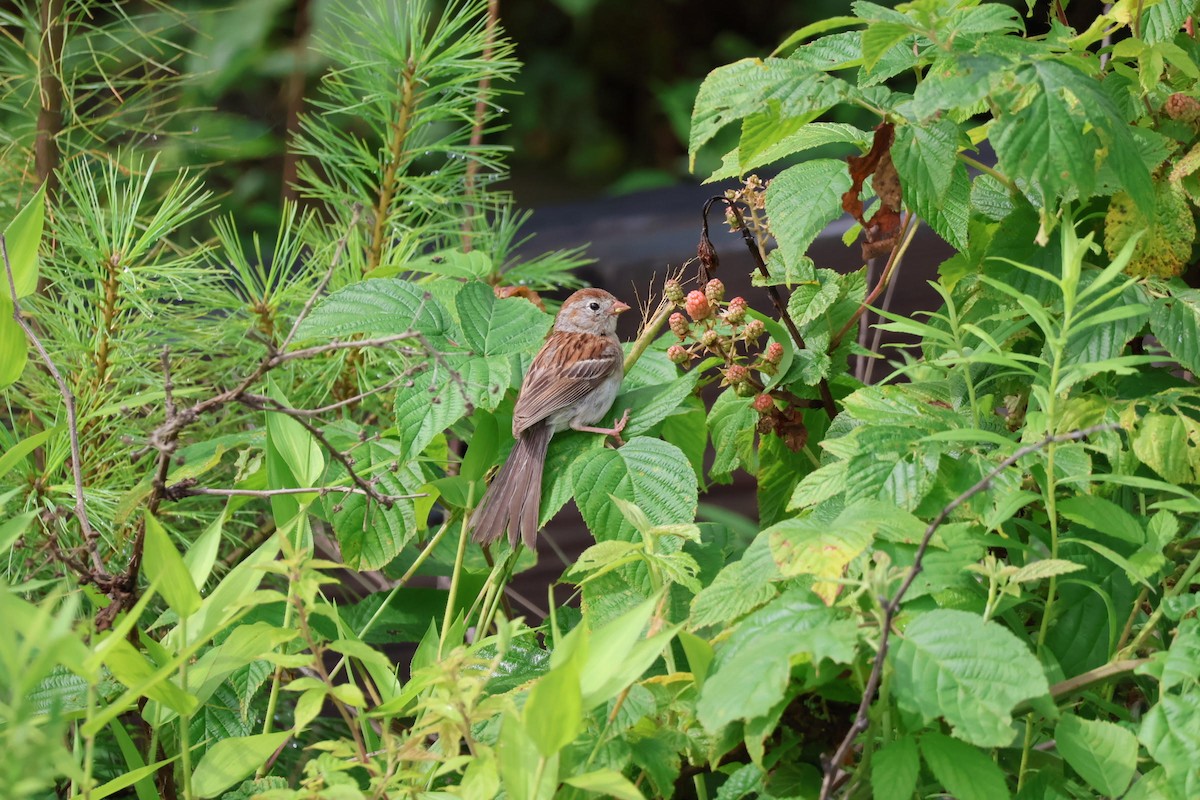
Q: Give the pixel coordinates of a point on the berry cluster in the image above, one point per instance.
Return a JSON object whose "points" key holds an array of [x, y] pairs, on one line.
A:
{"points": [[709, 325]]}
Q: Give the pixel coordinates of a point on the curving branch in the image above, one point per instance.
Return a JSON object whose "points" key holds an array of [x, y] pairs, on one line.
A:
{"points": [[85, 525], [892, 606]]}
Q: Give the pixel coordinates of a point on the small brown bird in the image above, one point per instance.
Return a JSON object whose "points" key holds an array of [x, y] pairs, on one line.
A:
{"points": [[571, 384]]}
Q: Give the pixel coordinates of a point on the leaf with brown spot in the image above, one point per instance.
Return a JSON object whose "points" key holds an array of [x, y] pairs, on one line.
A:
{"points": [[881, 231]]}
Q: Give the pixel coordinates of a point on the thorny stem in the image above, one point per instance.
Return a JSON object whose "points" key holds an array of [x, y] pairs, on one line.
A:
{"points": [[776, 298], [89, 533], [892, 606]]}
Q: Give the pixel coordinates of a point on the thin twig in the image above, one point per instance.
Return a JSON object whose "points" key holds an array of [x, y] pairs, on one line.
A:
{"points": [[776, 298], [892, 606], [316, 412], [89, 533], [184, 488], [894, 259]]}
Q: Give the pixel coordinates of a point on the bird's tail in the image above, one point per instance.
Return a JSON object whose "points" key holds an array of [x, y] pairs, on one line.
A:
{"points": [[513, 500]]}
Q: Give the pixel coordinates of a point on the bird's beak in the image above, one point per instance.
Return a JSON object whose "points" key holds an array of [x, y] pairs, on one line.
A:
{"points": [[618, 307]]}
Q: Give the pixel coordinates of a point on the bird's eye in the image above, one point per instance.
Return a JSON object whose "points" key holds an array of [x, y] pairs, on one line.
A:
{"points": [[594, 306]]}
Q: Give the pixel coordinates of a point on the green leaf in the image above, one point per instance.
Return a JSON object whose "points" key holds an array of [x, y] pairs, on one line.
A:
{"points": [[956, 81], [766, 138], [606, 782], [14, 455], [232, 760], [1104, 516], [971, 672], [165, 568], [933, 181], [495, 327], [895, 770], [433, 403], [751, 670], [1062, 120], [813, 546], [519, 763], [650, 473], [737, 90], [731, 423], [1104, 754], [962, 770], [1162, 20], [738, 589], [802, 200], [380, 307], [810, 300], [616, 653], [14, 350], [22, 237], [554, 711], [1171, 733], [1175, 321], [652, 404], [878, 38], [1156, 443]]}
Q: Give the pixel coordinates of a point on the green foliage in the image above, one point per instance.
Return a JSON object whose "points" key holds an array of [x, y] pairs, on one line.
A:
{"points": [[993, 548]]}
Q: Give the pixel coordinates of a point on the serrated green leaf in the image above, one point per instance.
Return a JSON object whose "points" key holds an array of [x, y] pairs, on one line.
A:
{"points": [[766, 138], [369, 535], [802, 200], [1171, 733], [650, 473], [962, 770], [731, 424], [495, 327], [971, 672], [820, 485], [811, 300], [1156, 443], [895, 769], [879, 37], [750, 672], [1062, 120], [737, 90], [1175, 322], [934, 183], [1164, 19], [652, 404], [1044, 568], [738, 589], [956, 81], [1104, 754], [823, 549], [380, 307], [433, 402]]}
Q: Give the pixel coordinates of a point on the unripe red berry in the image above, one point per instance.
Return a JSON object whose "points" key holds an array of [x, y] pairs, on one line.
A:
{"points": [[736, 312], [735, 374], [697, 305], [774, 353], [678, 354], [764, 404], [673, 291], [754, 329], [679, 325], [714, 290]]}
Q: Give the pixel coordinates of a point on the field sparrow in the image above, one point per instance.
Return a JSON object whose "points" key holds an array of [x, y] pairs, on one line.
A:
{"points": [[571, 384]]}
